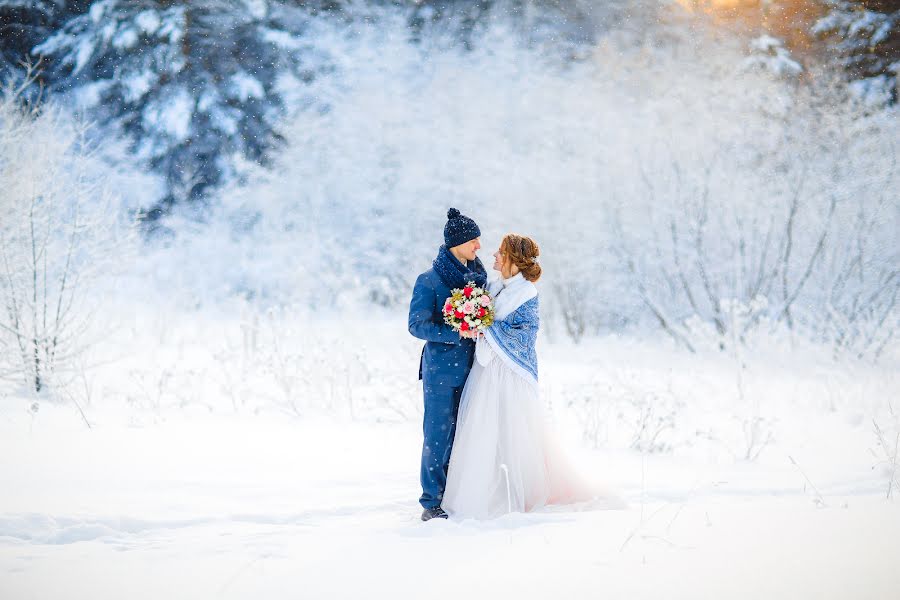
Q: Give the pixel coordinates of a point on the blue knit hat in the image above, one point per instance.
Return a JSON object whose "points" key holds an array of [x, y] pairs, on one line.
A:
{"points": [[459, 229]]}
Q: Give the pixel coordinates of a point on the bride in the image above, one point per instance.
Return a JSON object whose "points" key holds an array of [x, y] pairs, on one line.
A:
{"points": [[505, 457]]}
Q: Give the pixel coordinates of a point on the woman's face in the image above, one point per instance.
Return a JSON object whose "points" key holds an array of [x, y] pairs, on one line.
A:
{"points": [[501, 264], [498, 260]]}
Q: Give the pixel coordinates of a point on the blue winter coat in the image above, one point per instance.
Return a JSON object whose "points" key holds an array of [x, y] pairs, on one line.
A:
{"points": [[446, 358]]}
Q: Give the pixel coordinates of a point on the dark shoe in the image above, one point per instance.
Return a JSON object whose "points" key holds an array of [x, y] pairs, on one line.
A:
{"points": [[433, 513]]}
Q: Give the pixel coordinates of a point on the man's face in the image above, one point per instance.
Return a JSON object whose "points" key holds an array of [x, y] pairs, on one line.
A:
{"points": [[470, 249]]}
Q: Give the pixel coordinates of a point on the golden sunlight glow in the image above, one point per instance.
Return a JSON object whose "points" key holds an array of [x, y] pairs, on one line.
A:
{"points": [[789, 20], [710, 5]]}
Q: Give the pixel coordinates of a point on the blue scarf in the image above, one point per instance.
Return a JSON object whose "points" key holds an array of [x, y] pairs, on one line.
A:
{"points": [[454, 274]]}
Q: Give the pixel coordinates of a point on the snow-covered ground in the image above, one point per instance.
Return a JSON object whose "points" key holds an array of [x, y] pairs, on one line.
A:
{"points": [[276, 507], [201, 478]]}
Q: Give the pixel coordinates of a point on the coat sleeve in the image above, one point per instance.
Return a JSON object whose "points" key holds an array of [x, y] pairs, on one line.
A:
{"points": [[421, 310]]}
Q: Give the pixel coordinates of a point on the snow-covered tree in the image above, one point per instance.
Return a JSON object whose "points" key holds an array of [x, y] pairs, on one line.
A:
{"points": [[769, 53], [866, 37], [562, 21], [197, 86], [23, 25]]}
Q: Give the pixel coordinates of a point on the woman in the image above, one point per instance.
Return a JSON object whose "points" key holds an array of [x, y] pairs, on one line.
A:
{"points": [[505, 458]]}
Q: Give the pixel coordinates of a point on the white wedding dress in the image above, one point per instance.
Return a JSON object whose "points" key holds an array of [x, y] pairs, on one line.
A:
{"points": [[505, 455]]}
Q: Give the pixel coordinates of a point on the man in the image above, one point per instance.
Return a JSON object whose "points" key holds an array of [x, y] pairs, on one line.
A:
{"points": [[447, 355]]}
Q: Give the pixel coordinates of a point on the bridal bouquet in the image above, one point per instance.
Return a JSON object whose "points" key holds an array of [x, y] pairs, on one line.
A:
{"points": [[469, 309]]}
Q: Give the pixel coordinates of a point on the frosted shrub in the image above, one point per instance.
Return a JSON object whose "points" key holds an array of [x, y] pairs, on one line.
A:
{"points": [[59, 239], [651, 415], [796, 219], [645, 415], [593, 408], [289, 361], [887, 450]]}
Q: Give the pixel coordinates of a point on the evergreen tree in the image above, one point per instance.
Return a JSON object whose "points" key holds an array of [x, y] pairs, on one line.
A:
{"points": [[866, 35], [24, 24], [192, 83]]}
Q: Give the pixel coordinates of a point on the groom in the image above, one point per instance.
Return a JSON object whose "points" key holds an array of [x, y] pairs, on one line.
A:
{"points": [[447, 356]]}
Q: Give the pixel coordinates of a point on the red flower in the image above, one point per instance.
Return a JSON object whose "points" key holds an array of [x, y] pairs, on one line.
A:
{"points": [[481, 312], [448, 308], [464, 326], [467, 291], [458, 314]]}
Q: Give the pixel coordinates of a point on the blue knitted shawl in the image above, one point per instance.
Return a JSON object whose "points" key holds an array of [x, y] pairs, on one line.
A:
{"points": [[515, 337]]}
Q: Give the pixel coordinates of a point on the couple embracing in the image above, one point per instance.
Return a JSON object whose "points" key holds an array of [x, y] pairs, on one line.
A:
{"points": [[489, 448]]}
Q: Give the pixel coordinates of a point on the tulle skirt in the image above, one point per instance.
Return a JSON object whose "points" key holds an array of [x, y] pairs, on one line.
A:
{"points": [[505, 455]]}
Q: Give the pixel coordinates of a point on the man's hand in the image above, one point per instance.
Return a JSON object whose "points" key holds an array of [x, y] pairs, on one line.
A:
{"points": [[471, 334]]}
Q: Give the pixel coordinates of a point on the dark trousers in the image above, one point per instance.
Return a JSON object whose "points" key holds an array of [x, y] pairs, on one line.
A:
{"points": [[441, 409]]}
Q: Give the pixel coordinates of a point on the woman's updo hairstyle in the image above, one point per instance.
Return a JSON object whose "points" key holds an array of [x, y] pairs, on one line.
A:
{"points": [[523, 252]]}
